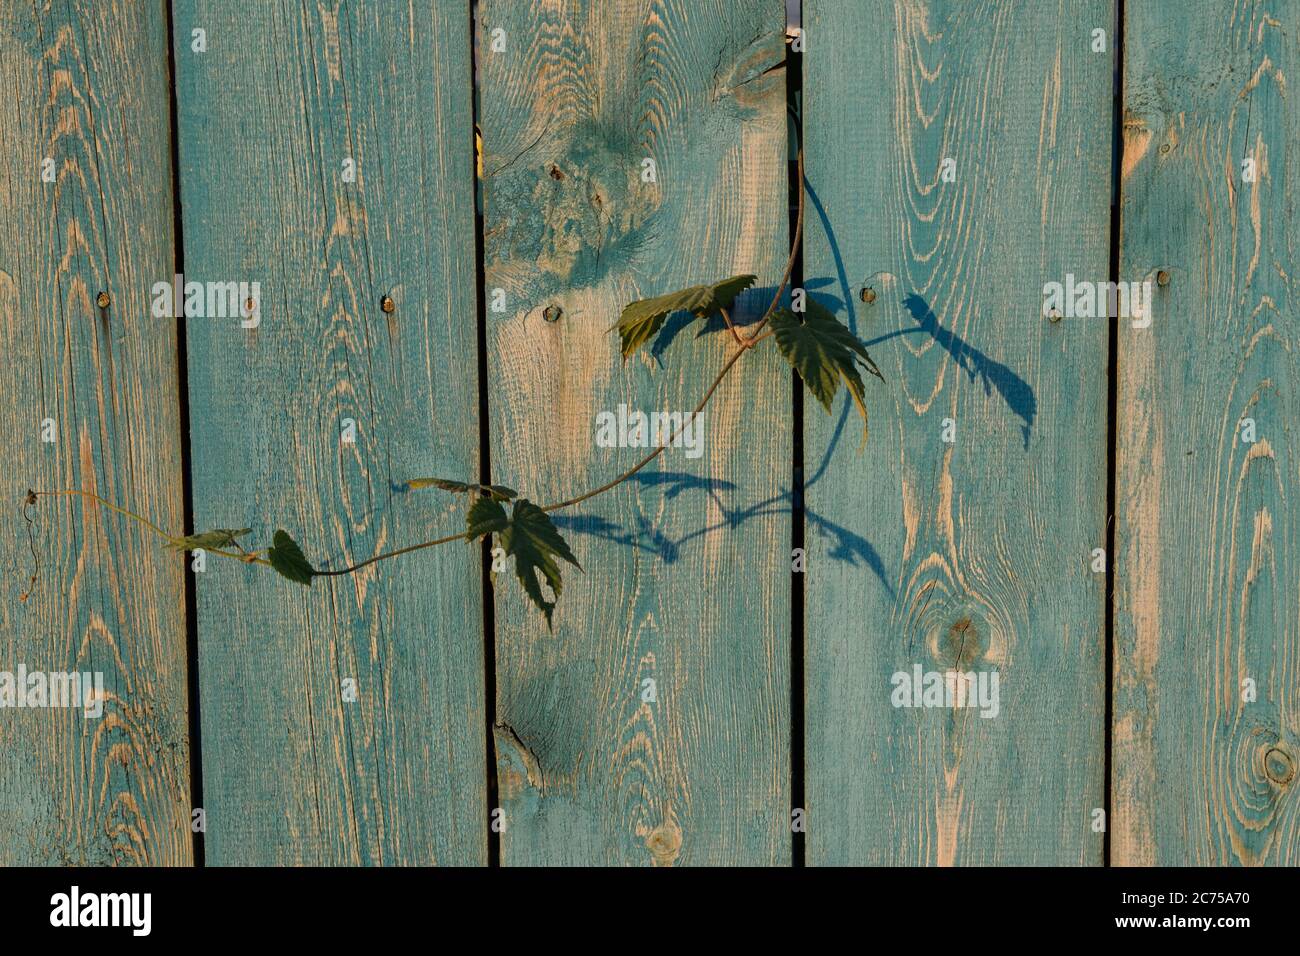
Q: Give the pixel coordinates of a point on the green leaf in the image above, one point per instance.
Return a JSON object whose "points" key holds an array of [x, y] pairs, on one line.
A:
{"points": [[824, 353], [535, 543], [485, 517], [287, 558], [641, 321], [496, 492], [216, 538], [531, 537]]}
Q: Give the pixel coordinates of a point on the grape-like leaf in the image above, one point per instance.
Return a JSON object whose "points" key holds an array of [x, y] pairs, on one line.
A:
{"points": [[530, 536], [287, 558], [495, 492], [216, 538], [824, 353], [641, 321]]}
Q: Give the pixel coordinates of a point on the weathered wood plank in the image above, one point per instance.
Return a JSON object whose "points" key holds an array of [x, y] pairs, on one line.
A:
{"points": [[293, 773], [687, 568], [974, 553], [1208, 525], [86, 87]]}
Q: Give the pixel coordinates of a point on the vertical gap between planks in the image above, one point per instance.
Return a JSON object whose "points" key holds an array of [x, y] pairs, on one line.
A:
{"points": [[794, 104], [187, 487], [485, 463], [1112, 404]]}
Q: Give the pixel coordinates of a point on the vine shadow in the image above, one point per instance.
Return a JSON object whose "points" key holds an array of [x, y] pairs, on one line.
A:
{"points": [[1015, 391], [847, 545]]}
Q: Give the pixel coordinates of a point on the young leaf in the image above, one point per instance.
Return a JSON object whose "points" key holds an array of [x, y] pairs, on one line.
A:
{"points": [[446, 484], [641, 321], [824, 353], [216, 538], [485, 517], [535, 543], [530, 536], [495, 492], [287, 558]]}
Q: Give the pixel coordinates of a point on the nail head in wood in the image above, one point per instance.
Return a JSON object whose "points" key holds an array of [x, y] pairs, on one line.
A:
{"points": [[1162, 278], [388, 305], [867, 295], [102, 300]]}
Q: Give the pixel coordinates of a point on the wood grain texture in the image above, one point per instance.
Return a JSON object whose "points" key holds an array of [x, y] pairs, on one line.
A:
{"points": [[687, 567], [1208, 526], [86, 87], [973, 553], [292, 772]]}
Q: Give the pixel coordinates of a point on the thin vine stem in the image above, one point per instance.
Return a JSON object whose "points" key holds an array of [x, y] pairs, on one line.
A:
{"points": [[731, 327], [463, 536], [244, 557], [659, 451], [789, 263]]}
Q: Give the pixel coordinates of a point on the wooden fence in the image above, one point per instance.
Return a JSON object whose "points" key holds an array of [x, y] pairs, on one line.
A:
{"points": [[1103, 513]]}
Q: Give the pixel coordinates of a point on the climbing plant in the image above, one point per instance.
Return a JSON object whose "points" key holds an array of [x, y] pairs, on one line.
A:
{"points": [[817, 345]]}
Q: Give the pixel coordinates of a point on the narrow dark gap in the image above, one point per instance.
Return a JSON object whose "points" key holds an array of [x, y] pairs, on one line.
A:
{"points": [[1112, 393], [484, 462], [794, 102], [187, 482]]}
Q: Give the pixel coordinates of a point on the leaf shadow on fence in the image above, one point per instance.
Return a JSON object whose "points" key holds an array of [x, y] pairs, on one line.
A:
{"points": [[1014, 390], [992, 374], [644, 535], [847, 546]]}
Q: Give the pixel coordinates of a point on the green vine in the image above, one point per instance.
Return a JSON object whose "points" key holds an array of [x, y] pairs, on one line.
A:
{"points": [[816, 344]]}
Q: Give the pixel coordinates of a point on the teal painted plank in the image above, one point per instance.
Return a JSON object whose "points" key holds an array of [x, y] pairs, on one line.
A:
{"points": [[972, 555], [86, 89], [1208, 524], [293, 772], [687, 568]]}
